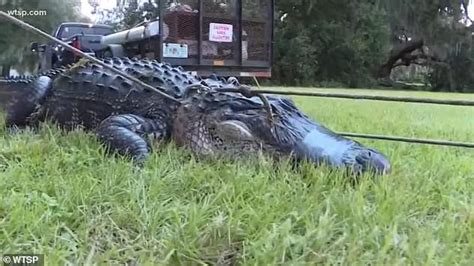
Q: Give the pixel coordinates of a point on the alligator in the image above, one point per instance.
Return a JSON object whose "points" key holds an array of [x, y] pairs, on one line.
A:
{"points": [[210, 117]]}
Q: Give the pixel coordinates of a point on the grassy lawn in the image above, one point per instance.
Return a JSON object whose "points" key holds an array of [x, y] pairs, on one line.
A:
{"points": [[62, 196]]}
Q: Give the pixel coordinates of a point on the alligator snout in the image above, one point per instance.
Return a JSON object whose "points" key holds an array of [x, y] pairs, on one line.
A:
{"points": [[323, 146], [370, 160]]}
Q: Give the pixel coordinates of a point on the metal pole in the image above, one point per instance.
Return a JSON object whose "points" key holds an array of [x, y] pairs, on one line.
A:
{"points": [[370, 97], [240, 13], [161, 25], [200, 33], [409, 140]]}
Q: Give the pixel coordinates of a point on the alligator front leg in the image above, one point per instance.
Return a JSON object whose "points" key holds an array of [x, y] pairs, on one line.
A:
{"points": [[130, 135], [21, 108]]}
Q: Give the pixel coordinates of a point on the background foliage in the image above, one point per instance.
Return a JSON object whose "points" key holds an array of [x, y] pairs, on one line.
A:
{"points": [[352, 43]]}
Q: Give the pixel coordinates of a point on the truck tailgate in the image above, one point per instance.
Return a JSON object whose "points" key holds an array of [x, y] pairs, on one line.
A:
{"points": [[90, 43]]}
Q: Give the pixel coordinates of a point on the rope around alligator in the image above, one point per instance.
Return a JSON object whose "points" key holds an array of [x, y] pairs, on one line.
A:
{"points": [[247, 92]]}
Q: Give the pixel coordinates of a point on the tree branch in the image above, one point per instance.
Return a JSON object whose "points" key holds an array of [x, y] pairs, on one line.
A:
{"points": [[466, 12], [415, 59], [399, 54]]}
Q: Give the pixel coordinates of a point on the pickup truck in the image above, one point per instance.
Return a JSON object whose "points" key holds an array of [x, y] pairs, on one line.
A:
{"points": [[83, 36]]}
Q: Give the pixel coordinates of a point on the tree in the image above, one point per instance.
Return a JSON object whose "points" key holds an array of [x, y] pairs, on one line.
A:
{"points": [[129, 13], [357, 42], [430, 33], [336, 40]]}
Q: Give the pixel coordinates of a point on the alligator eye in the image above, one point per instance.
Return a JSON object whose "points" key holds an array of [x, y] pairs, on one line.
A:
{"points": [[370, 154]]}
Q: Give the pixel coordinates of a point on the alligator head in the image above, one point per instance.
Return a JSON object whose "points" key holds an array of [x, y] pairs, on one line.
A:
{"points": [[213, 123]]}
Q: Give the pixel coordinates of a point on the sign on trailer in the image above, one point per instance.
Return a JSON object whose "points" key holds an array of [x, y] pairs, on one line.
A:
{"points": [[219, 32]]}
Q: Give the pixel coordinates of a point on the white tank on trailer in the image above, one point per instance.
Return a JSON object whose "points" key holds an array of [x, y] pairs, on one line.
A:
{"points": [[149, 29]]}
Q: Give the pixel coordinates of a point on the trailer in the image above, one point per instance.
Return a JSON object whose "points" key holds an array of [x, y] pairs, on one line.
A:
{"points": [[221, 37]]}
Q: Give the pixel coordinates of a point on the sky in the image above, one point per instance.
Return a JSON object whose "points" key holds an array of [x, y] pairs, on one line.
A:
{"points": [[470, 9], [86, 9]]}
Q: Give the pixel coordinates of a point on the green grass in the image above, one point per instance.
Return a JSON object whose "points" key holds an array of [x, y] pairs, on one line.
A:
{"points": [[64, 197]]}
